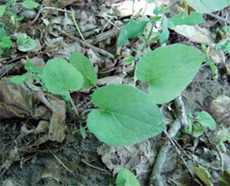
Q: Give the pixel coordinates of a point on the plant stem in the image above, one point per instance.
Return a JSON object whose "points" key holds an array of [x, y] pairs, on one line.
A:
{"points": [[73, 105], [77, 27]]}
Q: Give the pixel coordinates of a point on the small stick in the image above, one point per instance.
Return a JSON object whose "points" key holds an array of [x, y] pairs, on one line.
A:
{"points": [[219, 18], [85, 162], [61, 162], [49, 8], [77, 27], [96, 49], [73, 105], [181, 111]]}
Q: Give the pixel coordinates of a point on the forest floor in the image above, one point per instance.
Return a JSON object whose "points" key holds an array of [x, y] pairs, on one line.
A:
{"points": [[31, 156]]}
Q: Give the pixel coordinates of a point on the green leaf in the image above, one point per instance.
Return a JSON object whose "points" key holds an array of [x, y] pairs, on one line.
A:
{"points": [[27, 45], [2, 32], [180, 19], [129, 59], [83, 65], [125, 116], [198, 130], [208, 6], [206, 120], [19, 79], [60, 77], [164, 35], [2, 10], [20, 39], [82, 131], [30, 4], [169, 70], [6, 42], [224, 178], [131, 30], [126, 178], [204, 175]]}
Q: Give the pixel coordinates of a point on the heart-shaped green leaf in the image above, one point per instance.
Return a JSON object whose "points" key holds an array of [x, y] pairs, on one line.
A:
{"points": [[169, 70], [60, 77], [83, 65], [208, 6], [125, 116]]}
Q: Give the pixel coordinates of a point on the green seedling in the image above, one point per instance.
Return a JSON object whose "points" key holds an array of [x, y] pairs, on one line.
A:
{"points": [[198, 124], [24, 44]]}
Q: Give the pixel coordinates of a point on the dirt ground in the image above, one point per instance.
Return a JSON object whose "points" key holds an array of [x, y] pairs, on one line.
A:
{"points": [[30, 157]]}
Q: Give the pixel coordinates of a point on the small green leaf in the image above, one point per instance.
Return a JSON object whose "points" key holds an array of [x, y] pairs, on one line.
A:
{"points": [[125, 116], [164, 35], [131, 30], [83, 65], [198, 130], [180, 19], [20, 39], [30, 4], [2, 10], [129, 59], [169, 70], [126, 178], [19, 79], [27, 45], [6, 42], [82, 131], [60, 77], [224, 178], [204, 175], [206, 120], [208, 6], [2, 32]]}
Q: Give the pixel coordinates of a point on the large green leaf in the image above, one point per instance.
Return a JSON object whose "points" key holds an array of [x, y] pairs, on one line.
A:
{"points": [[81, 63], [60, 77], [126, 178], [208, 6], [126, 115], [131, 30], [169, 70]]}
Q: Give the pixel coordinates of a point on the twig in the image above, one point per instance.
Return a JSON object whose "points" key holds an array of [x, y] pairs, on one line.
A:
{"points": [[96, 49], [181, 111], [73, 105], [219, 18], [49, 8], [156, 178], [85, 162], [61, 162], [77, 27]]}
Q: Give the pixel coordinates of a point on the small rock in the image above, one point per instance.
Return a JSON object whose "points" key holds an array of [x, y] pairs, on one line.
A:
{"points": [[29, 14]]}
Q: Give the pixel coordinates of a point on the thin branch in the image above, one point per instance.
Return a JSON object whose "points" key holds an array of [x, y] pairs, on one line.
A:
{"points": [[156, 178], [181, 111], [96, 49], [219, 18]]}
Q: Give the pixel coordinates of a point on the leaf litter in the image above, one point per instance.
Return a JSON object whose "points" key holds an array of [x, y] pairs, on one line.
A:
{"points": [[39, 132]]}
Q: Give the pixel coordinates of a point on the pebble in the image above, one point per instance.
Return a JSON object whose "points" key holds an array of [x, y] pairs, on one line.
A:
{"points": [[29, 14]]}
